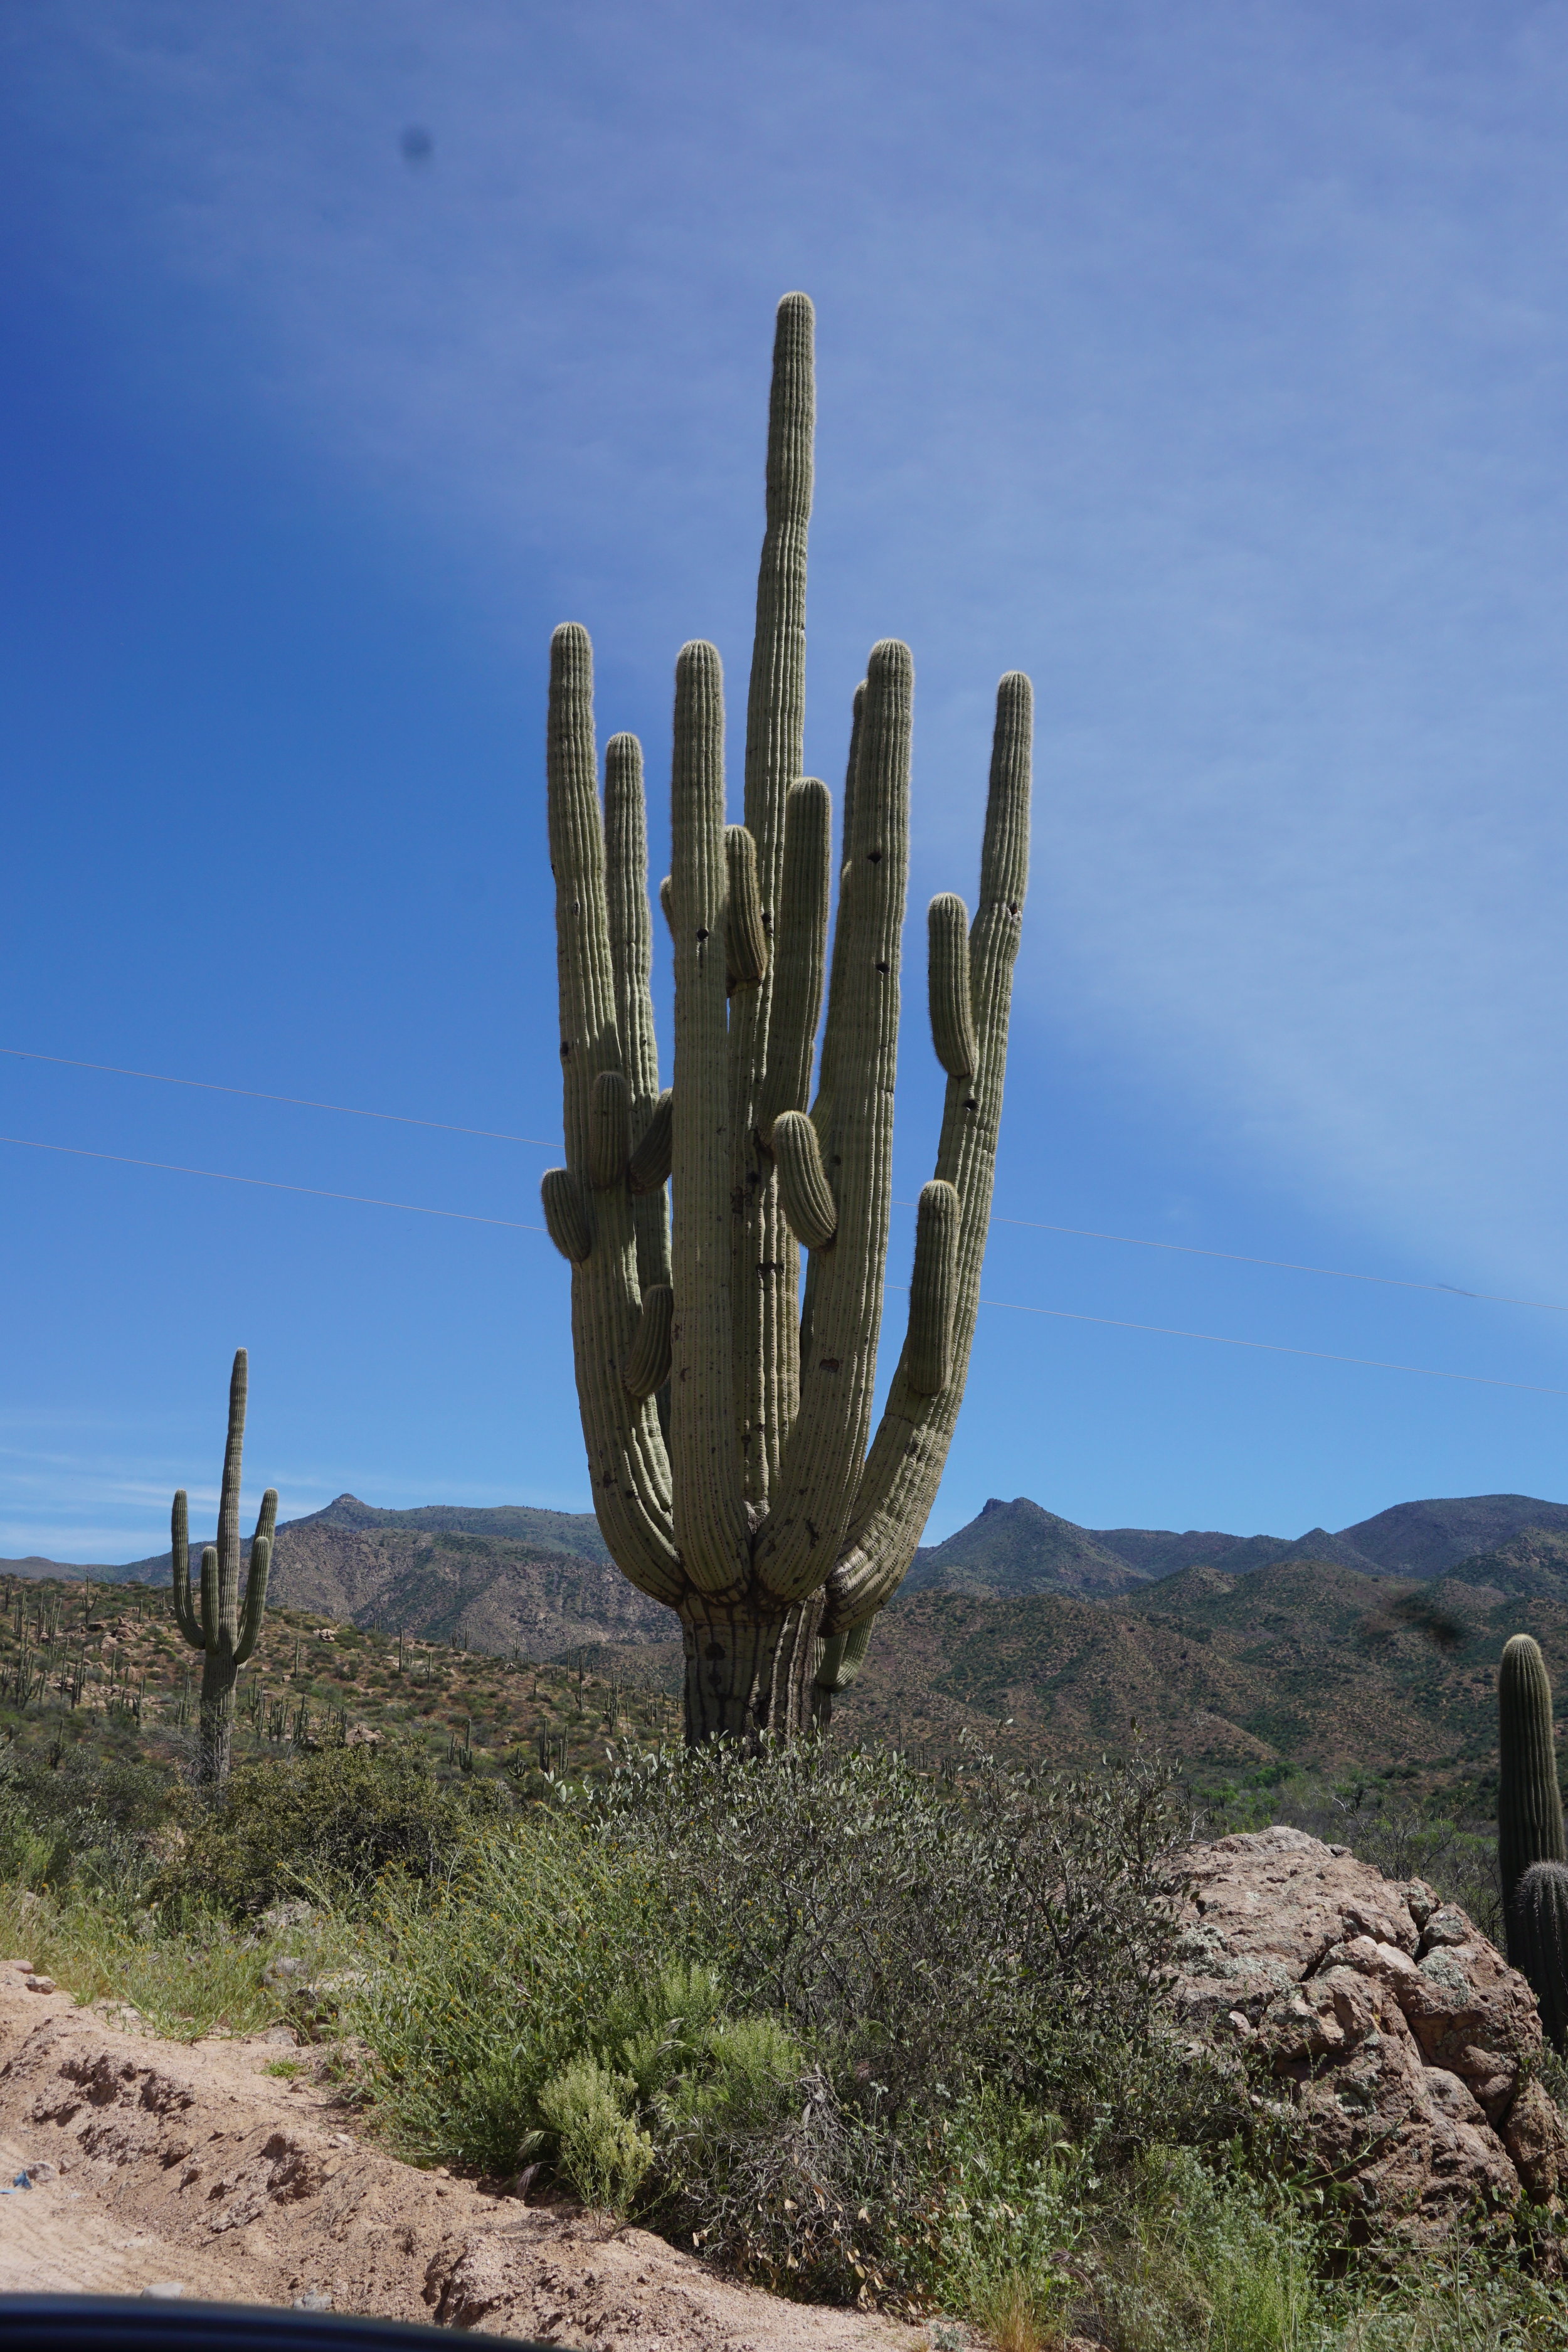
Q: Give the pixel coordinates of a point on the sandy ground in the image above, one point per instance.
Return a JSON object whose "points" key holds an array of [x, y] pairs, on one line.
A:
{"points": [[162, 2164]]}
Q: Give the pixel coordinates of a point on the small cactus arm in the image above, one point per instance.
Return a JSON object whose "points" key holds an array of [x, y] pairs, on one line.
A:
{"points": [[735, 1474], [1540, 1931], [1529, 1801], [220, 1622]]}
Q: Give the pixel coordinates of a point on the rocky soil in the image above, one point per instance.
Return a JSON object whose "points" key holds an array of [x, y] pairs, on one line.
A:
{"points": [[143, 2166], [1404, 2036]]}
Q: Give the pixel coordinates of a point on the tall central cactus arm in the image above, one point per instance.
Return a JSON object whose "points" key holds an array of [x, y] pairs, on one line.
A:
{"points": [[800, 1542], [764, 1262], [905, 1464], [626, 1455], [711, 1525]]}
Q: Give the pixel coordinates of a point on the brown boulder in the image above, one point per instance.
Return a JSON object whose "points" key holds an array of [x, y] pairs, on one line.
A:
{"points": [[1386, 2017]]}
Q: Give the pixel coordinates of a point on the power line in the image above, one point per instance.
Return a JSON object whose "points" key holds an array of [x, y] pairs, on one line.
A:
{"points": [[1271, 1347], [298, 1102], [271, 1185], [1012, 1305], [1288, 1265], [495, 1135]]}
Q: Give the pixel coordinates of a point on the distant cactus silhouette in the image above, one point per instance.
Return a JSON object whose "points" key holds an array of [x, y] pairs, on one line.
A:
{"points": [[218, 1623], [735, 1474]]}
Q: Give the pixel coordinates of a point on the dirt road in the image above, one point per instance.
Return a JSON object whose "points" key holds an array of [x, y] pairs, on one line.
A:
{"points": [[158, 2165]]}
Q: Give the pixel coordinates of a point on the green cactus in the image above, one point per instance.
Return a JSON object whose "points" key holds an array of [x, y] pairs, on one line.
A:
{"points": [[219, 1624], [1538, 1942], [734, 1471], [1529, 1801]]}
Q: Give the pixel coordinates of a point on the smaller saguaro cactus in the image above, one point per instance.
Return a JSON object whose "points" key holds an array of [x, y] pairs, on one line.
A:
{"points": [[219, 1622], [1538, 1931], [1529, 1801]]}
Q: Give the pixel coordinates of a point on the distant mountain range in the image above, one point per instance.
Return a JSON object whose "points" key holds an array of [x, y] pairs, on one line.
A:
{"points": [[1018, 1548], [1301, 1659], [1376, 1644]]}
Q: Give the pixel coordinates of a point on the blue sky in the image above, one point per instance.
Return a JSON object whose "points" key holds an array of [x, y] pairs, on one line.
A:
{"points": [[1211, 364]]}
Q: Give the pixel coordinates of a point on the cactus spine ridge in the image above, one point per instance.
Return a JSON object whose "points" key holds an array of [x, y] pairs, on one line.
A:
{"points": [[1540, 1934], [735, 1473]]}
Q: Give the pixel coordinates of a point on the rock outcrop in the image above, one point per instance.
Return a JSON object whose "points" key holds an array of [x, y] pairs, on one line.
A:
{"points": [[1402, 2033]]}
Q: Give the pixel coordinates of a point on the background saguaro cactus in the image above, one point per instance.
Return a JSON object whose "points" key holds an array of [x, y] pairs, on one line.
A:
{"points": [[1530, 1831], [734, 1471], [219, 1622]]}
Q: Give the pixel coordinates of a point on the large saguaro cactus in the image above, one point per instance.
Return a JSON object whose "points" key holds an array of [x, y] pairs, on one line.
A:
{"points": [[728, 1422], [219, 1624]]}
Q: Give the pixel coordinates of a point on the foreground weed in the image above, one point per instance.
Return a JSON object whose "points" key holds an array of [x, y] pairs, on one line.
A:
{"points": [[185, 1981]]}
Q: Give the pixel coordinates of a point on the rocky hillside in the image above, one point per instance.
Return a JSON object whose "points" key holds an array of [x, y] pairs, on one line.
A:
{"points": [[538, 1582], [1303, 1661]]}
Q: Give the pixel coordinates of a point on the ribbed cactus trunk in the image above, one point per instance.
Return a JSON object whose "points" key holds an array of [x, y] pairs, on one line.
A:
{"points": [[728, 1420], [219, 1624]]}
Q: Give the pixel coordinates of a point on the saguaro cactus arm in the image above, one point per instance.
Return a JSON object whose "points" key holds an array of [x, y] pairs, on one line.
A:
{"points": [[799, 1542], [186, 1615], [800, 951], [631, 955], [627, 1461], [904, 1467], [711, 1526]]}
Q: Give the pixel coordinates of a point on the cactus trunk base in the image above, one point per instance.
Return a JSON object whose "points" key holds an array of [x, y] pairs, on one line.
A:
{"points": [[217, 1731], [748, 1672]]}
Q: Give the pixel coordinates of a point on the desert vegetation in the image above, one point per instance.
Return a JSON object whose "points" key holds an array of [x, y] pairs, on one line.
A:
{"points": [[858, 2031]]}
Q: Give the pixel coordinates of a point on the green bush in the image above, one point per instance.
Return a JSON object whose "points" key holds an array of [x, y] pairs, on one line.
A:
{"points": [[338, 1817], [87, 1816]]}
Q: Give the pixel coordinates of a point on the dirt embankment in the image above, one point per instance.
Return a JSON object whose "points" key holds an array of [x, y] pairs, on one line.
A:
{"points": [[157, 2165]]}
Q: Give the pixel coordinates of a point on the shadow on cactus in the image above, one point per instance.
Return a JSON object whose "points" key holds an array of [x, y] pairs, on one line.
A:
{"points": [[219, 1621], [728, 1420]]}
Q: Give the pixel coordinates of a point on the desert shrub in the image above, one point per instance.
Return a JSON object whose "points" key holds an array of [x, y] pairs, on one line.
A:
{"points": [[339, 1817], [546, 1949], [598, 2144], [923, 1939], [88, 1817]]}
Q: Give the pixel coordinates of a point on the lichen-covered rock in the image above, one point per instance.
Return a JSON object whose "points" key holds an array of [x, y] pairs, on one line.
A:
{"points": [[1402, 2033]]}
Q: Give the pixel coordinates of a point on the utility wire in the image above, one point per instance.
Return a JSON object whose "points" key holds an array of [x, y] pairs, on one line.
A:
{"points": [[1285, 1265], [298, 1102], [1064, 1314], [1272, 1347], [495, 1135], [271, 1185], [1289, 1266]]}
